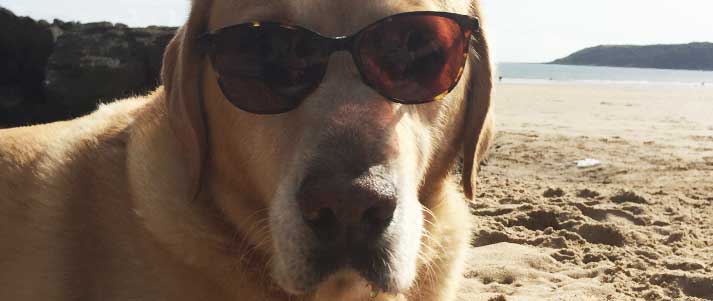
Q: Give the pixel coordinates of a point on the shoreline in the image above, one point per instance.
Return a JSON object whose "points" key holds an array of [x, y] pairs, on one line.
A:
{"points": [[541, 73], [653, 84]]}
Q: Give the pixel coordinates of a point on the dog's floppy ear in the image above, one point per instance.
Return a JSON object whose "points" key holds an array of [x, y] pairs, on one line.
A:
{"points": [[478, 132], [181, 78]]}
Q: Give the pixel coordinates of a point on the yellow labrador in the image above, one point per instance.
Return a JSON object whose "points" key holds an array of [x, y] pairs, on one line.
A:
{"points": [[181, 195]]}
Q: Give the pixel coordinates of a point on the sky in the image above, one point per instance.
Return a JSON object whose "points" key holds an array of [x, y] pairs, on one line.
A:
{"points": [[521, 30]]}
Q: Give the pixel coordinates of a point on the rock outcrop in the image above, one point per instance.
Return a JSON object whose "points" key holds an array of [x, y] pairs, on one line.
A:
{"points": [[100, 62], [25, 46], [57, 71], [693, 56]]}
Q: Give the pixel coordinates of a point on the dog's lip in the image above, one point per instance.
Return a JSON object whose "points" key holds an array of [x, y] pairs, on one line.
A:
{"points": [[372, 268], [372, 289], [357, 281], [376, 286]]}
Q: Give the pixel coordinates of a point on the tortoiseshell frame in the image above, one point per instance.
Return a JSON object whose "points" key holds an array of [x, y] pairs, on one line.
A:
{"points": [[468, 24]]}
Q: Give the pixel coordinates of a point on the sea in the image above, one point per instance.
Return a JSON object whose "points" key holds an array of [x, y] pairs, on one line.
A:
{"points": [[550, 73]]}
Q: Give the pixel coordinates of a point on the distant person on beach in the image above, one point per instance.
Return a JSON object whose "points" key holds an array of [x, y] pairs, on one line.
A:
{"points": [[500, 78]]}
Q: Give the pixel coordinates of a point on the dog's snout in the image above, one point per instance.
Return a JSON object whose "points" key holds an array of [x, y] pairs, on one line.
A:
{"points": [[347, 211]]}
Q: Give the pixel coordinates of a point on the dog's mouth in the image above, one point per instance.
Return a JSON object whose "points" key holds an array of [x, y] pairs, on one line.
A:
{"points": [[371, 263]]}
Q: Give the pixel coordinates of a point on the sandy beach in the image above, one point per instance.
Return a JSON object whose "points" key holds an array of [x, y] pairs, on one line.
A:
{"points": [[636, 226]]}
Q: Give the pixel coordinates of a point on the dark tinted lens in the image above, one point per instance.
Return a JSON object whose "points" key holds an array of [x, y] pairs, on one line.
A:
{"points": [[413, 58], [269, 68]]}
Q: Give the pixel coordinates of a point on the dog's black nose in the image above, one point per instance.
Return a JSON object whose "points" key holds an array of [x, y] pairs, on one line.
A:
{"points": [[347, 211]]}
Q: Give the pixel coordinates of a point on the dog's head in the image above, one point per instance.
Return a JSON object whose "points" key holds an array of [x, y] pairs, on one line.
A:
{"points": [[335, 191]]}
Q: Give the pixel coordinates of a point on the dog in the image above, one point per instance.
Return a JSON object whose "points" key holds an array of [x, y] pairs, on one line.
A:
{"points": [[179, 195]]}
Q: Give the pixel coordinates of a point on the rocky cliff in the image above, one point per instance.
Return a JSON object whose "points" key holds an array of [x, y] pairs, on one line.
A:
{"points": [[693, 56], [25, 46], [62, 70]]}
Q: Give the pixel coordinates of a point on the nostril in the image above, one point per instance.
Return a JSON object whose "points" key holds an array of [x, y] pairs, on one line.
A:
{"points": [[377, 218], [324, 217], [376, 215], [323, 223]]}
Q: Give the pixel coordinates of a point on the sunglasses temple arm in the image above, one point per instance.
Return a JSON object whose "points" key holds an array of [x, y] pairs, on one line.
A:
{"points": [[205, 43], [474, 24]]}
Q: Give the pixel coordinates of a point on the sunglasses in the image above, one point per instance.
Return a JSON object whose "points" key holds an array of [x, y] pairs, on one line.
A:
{"points": [[409, 58]]}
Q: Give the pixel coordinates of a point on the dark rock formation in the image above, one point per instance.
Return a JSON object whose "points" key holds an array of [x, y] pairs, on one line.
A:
{"points": [[62, 70], [693, 56], [100, 62], [25, 46]]}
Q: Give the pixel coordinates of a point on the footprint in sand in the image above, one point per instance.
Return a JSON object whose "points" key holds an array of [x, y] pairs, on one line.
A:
{"points": [[702, 138], [606, 234], [699, 286], [553, 192], [625, 196], [616, 216], [587, 194], [527, 273], [708, 160]]}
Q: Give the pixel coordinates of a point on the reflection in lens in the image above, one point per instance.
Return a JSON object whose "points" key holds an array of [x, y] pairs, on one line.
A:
{"points": [[412, 58], [270, 68]]}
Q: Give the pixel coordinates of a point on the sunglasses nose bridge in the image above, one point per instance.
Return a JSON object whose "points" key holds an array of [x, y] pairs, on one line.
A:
{"points": [[343, 43]]}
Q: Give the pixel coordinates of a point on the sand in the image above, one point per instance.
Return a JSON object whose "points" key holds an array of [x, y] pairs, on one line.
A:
{"points": [[639, 226]]}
